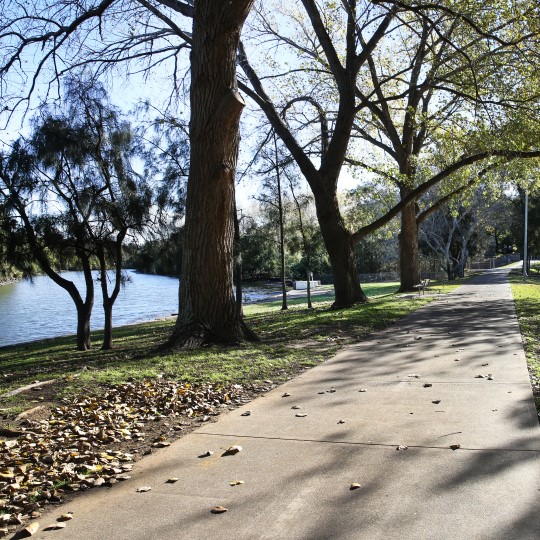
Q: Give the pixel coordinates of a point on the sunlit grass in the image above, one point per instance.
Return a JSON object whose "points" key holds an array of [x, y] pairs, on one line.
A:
{"points": [[526, 292], [291, 340]]}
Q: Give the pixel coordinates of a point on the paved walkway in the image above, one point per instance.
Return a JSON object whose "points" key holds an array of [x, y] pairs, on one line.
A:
{"points": [[297, 471]]}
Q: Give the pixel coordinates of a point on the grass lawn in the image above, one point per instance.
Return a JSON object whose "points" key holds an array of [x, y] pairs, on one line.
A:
{"points": [[526, 293], [291, 340]]}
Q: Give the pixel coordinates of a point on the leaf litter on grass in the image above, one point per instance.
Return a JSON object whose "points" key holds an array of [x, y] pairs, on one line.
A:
{"points": [[73, 450]]}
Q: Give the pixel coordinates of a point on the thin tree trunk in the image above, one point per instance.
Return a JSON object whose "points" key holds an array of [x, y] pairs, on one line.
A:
{"points": [[409, 263], [309, 305], [108, 301], [340, 247], [107, 327], [237, 264], [207, 311], [281, 232], [84, 308]]}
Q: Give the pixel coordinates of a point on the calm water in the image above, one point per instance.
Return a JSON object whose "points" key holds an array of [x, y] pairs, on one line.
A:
{"points": [[42, 309]]}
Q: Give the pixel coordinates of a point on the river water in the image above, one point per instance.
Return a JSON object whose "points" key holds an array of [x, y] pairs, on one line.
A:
{"points": [[41, 309]]}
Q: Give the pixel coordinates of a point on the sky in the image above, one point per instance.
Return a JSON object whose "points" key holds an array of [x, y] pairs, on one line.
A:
{"points": [[126, 92]]}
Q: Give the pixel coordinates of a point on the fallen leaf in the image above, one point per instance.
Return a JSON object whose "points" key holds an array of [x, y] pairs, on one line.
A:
{"points": [[172, 480], [236, 482], [232, 450], [55, 527], [300, 415], [219, 510], [455, 446], [143, 489], [402, 447], [31, 529], [161, 444], [355, 485]]}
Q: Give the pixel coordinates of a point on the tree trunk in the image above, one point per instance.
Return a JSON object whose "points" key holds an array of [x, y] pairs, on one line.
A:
{"points": [[107, 326], [309, 305], [449, 272], [83, 326], [84, 308], [340, 247], [207, 311], [281, 232], [409, 263], [237, 275]]}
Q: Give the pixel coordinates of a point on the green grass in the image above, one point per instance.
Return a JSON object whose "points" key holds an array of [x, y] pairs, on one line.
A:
{"points": [[526, 293], [291, 340]]}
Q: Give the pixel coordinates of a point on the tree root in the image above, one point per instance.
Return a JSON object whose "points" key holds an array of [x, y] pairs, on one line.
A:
{"points": [[197, 334]]}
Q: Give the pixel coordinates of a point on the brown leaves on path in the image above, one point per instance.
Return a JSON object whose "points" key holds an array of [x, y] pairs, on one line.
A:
{"points": [[73, 450]]}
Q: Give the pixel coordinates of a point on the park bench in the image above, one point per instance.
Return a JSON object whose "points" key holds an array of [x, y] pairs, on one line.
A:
{"points": [[422, 286]]}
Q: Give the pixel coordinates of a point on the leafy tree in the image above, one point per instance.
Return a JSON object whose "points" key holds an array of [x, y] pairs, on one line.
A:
{"points": [[43, 237], [398, 76], [271, 193], [260, 253], [72, 186]]}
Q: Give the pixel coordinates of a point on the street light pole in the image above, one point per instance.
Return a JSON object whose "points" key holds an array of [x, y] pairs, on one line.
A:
{"points": [[525, 234]]}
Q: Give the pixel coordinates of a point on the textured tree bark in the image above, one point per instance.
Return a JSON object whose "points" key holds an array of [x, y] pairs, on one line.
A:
{"points": [[409, 262], [83, 327], [207, 311], [340, 246]]}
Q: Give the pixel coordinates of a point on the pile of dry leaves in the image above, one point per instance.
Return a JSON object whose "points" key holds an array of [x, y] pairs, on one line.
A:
{"points": [[73, 450]]}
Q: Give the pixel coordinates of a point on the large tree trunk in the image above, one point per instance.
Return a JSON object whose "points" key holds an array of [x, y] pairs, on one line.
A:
{"points": [[409, 262], [340, 247], [207, 311]]}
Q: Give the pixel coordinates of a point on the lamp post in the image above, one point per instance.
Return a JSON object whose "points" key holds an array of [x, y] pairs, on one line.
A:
{"points": [[525, 234]]}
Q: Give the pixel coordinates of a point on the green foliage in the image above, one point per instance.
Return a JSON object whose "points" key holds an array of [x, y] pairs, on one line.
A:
{"points": [[161, 256], [260, 249], [533, 244]]}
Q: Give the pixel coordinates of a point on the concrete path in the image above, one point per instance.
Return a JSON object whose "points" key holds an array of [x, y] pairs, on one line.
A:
{"points": [[297, 471]]}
